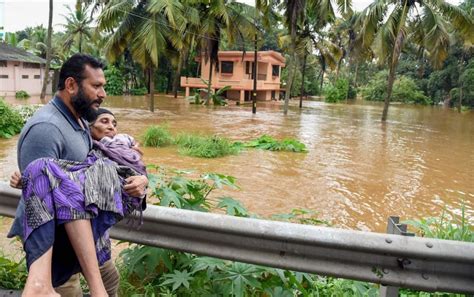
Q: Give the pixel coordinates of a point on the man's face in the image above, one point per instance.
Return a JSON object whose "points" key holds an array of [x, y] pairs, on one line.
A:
{"points": [[90, 93]]}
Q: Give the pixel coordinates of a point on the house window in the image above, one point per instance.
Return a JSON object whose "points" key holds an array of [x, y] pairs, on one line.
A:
{"points": [[249, 68], [3, 75], [24, 76], [31, 65], [227, 67], [3, 63], [37, 76], [275, 70]]}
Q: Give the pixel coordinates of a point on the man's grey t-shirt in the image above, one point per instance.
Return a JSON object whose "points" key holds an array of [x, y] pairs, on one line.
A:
{"points": [[52, 132]]}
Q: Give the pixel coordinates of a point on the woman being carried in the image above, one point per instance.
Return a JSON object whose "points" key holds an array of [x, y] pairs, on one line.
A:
{"points": [[56, 192]]}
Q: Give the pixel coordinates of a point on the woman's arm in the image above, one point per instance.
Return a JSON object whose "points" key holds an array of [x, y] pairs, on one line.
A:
{"points": [[15, 180], [136, 185]]}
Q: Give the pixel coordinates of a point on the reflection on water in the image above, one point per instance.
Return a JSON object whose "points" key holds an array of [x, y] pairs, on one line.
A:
{"points": [[357, 172]]}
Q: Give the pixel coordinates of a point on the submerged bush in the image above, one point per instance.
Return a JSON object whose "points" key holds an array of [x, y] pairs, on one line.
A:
{"points": [[11, 121], [21, 95], [206, 146], [267, 142], [338, 91], [404, 90], [139, 91], [157, 136]]}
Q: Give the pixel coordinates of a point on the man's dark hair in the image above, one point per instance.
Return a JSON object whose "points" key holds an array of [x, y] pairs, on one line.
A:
{"points": [[74, 67]]}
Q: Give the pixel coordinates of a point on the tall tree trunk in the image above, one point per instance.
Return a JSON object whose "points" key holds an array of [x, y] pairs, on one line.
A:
{"points": [[182, 57], [209, 83], [152, 89], [393, 67], [302, 79], [80, 43], [169, 78], [48, 53], [289, 79], [356, 74], [337, 69], [321, 75], [460, 99]]}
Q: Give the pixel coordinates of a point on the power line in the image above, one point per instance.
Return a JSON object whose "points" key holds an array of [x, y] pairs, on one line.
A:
{"points": [[167, 25]]}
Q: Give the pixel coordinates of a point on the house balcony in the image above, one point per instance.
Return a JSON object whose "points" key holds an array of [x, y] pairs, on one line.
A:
{"points": [[236, 84]]}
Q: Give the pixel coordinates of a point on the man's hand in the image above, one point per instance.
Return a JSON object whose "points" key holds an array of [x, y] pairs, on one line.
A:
{"points": [[136, 185], [15, 180]]}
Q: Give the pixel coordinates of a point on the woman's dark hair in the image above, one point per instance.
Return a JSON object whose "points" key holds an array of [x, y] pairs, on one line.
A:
{"points": [[74, 67]]}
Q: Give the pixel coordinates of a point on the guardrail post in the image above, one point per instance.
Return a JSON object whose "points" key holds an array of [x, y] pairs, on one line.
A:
{"points": [[394, 227]]}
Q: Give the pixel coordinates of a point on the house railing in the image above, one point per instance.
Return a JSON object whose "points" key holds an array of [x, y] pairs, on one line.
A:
{"points": [[388, 259]]}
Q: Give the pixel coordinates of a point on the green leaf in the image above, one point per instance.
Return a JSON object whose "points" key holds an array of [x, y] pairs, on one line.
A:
{"points": [[207, 263], [232, 207], [168, 197], [279, 292], [177, 279]]}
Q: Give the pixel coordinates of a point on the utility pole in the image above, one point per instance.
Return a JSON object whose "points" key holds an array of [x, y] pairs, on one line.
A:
{"points": [[254, 71]]}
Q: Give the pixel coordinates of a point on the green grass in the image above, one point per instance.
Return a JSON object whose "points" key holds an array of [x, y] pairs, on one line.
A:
{"points": [[205, 146], [157, 136], [445, 227], [266, 142]]}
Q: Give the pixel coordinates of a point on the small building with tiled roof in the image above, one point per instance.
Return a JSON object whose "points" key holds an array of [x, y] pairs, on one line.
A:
{"points": [[20, 71]]}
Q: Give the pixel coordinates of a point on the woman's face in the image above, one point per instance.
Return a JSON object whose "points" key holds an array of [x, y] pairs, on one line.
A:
{"points": [[105, 125]]}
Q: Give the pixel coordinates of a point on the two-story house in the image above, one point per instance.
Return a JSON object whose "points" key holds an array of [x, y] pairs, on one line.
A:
{"points": [[235, 70], [20, 71]]}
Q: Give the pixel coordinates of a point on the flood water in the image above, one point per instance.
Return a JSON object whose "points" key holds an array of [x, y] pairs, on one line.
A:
{"points": [[357, 171]]}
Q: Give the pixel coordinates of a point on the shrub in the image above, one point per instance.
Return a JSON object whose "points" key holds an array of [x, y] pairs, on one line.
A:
{"points": [[27, 111], [21, 95], [338, 91], [11, 121], [157, 136], [404, 90], [267, 142], [139, 91], [206, 146], [115, 81], [12, 274]]}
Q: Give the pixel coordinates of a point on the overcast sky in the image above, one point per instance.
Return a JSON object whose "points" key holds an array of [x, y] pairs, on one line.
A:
{"points": [[16, 15]]}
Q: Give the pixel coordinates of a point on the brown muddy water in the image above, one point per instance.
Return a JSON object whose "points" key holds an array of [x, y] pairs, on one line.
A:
{"points": [[357, 172]]}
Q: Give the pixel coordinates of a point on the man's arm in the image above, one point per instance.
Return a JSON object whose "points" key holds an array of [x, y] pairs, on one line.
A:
{"points": [[43, 140]]}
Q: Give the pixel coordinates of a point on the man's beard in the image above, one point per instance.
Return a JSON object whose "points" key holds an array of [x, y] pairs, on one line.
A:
{"points": [[83, 105]]}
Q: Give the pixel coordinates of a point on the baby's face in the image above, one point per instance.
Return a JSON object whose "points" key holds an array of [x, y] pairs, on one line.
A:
{"points": [[105, 125]]}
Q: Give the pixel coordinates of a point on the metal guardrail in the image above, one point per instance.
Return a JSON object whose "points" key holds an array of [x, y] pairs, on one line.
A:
{"points": [[401, 261]]}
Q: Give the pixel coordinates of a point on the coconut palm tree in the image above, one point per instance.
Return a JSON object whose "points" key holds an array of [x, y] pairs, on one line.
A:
{"points": [[48, 52], [33, 40], [78, 27], [184, 41], [218, 17], [387, 25], [296, 12], [142, 28]]}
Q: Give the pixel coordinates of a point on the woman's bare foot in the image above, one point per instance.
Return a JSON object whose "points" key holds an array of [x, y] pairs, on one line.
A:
{"points": [[39, 287]]}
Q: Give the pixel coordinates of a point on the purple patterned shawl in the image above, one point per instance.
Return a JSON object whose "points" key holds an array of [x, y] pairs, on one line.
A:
{"points": [[60, 191]]}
